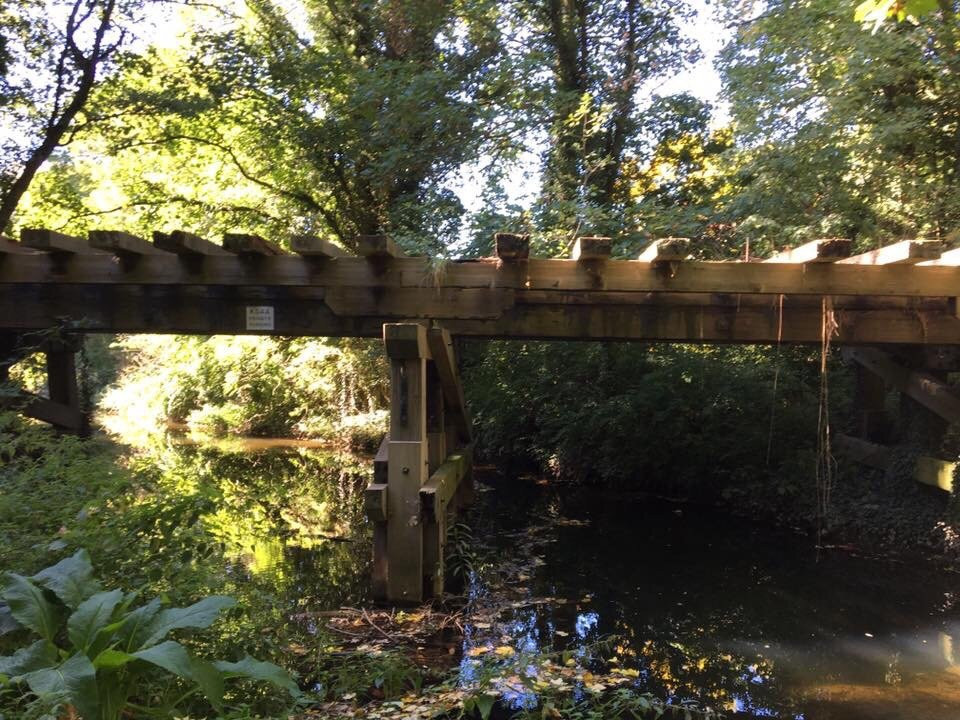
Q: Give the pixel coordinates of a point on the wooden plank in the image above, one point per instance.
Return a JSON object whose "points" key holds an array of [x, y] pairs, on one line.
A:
{"points": [[408, 471], [377, 247], [51, 241], [510, 246], [39, 408], [181, 242], [538, 274], [927, 470], [440, 489], [665, 250], [949, 258], [121, 243], [927, 390], [826, 250], [314, 247], [251, 245], [207, 310], [380, 461], [591, 248], [436, 420], [444, 359], [375, 502], [435, 499], [62, 378], [907, 252], [935, 472], [409, 303], [11, 247]]}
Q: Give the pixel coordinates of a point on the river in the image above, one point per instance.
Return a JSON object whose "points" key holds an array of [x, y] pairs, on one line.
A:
{"points": [[736, 616]]}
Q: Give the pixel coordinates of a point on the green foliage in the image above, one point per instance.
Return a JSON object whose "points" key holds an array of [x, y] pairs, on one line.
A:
{"points": [[385, 674], [98, 650]]}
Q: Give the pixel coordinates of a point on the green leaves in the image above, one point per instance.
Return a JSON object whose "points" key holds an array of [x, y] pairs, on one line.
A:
{"points": [[30, 607], [25, 660], [173, 657], [877, 11], [73, 681], [71, 579], [91, 616], [259, 670], [199, 615]]}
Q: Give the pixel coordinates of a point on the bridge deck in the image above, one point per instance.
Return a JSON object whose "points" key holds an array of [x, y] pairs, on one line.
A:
{"points": [[904, 293]]}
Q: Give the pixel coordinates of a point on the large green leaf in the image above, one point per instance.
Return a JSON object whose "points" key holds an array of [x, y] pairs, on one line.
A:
{"points": [[8, 623], [75, 681], [136, 625], [199, 615], [33, 657], [71, 579], [30, 607], [174, 658], [111, 659], [91, 616], [259, 670]]}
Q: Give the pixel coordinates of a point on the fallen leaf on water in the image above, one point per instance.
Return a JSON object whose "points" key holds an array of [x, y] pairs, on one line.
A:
{"points": [[561, 633], [479, 650], [504, 651]]}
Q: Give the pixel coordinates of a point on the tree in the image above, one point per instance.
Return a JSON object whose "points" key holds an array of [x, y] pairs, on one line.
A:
{"points": [[52, 55]]}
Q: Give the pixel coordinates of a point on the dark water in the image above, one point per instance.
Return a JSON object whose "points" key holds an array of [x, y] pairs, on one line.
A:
{"points": [[739, 617]]}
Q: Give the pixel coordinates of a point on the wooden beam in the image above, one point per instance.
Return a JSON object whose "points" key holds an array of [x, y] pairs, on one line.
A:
{"points": [[927, 470], [949, 258], [381, 476], [121, 243], [510, 246], [380, 461], [538, 274], [405, 341], [181, 242], [827, 250], [441, 350], [375, 502], [935, 472], [51, 241], [665, 250], [377, 247], [39, 408], [10, 247], [439, 490], [907, 252], [251, 245], [314, 247], [927, 390], [591, 248]]}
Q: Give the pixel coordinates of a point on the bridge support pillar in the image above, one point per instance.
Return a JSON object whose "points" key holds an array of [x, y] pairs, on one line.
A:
{"points": [[420, 468]]}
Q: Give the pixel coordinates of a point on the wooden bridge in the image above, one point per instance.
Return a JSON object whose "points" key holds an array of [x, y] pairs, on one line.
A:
{"points": [[901, 296]]}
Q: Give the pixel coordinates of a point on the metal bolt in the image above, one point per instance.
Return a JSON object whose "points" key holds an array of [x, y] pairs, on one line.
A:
{"points": [[405, 471]]}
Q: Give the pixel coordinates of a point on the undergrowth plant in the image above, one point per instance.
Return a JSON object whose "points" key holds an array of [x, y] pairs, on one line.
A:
{"points": [[99, 650]]}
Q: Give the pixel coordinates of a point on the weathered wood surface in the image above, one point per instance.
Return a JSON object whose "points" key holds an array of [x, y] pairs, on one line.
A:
{"points": [[251, 245], [181, 242], [927, 390], [444, 359], [312, 246], [510, 246], [377, 247], [301, 311], [665, 250], [818, 251], [536, 274], [591, 248], [55, 242], [121, 243], [907, 252], [10, 247]]}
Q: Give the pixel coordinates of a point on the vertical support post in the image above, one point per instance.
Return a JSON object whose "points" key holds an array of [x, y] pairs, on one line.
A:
{"points": [[407, 459], [435, 522], [62, 377], [378, 516]]}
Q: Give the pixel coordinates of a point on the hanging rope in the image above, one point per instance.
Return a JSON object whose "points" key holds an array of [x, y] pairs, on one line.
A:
{"points": [[825, 463]]}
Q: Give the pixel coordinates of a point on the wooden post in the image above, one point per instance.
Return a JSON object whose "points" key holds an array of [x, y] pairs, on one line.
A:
{"points": [[378, 514], [63, 388], [407, 459]]}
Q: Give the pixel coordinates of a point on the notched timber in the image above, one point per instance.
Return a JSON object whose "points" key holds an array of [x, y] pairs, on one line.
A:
{"points": [[665, 250], [315, 247], [377, 247], [591, 248], [375, 502], [439, 490], [181, 242], [405, 341], [251, 245], [826, 250], [907, 252], [11, 247], [52, 241], [510, 246], [121, 243]]}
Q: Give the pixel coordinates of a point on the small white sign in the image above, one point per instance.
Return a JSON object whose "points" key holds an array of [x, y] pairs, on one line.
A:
{"points": [[259, 317]]}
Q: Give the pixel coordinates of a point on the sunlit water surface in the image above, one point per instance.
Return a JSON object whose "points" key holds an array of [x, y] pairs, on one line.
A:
{"points": [[738, 617]]}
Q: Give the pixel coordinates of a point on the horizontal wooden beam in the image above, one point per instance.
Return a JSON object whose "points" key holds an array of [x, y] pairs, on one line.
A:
{"points": [[818, 251], [51, 241], [950, 258], [39, 408], [665, 250], [11, 247], [377, 247], [536, 274], [121, 243], [439, 490], [927, 390], [185, 243], [591, 248], [511, 246], [251, 245], [312, 246], [907, 252], [302, 311], [375, 502]]}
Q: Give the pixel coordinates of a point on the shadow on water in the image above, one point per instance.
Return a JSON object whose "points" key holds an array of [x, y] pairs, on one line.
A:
{"points": [[736, 616]]}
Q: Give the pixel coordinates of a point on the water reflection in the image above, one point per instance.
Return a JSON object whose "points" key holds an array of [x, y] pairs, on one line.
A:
{"points": [[734, 617]]}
